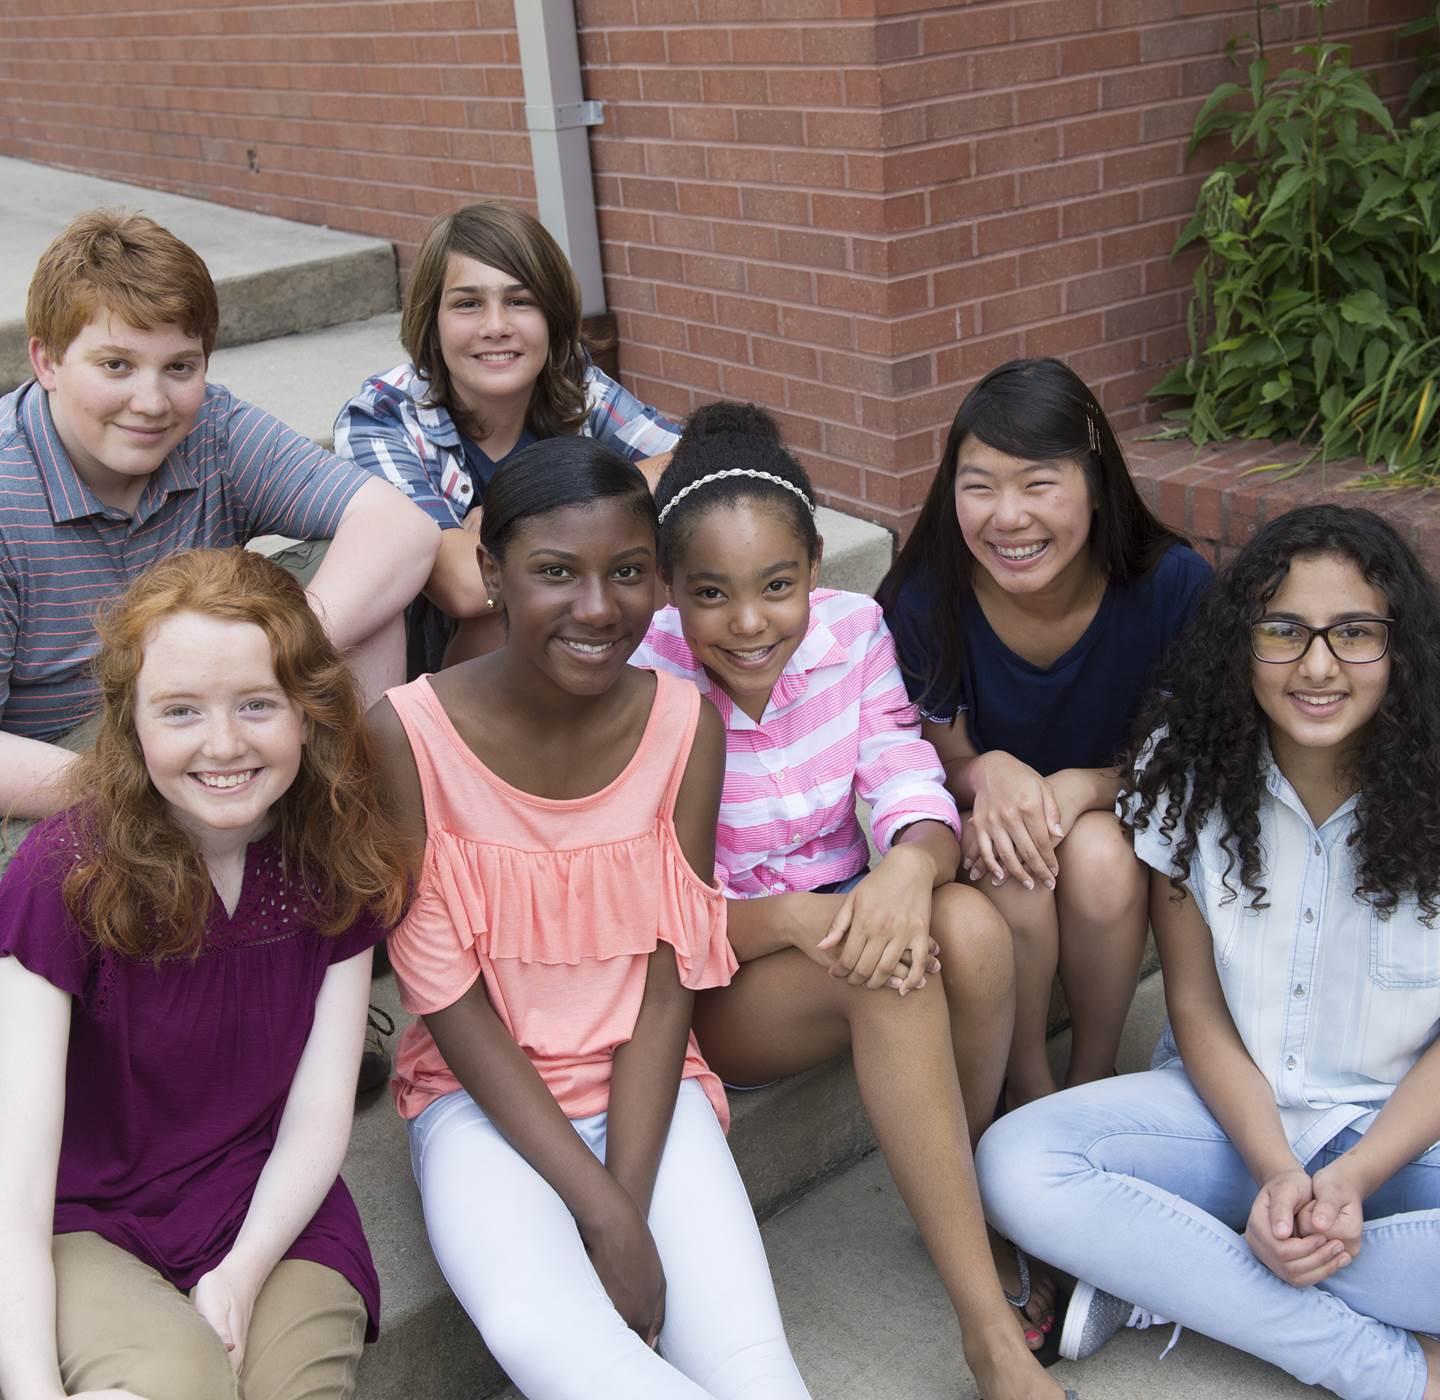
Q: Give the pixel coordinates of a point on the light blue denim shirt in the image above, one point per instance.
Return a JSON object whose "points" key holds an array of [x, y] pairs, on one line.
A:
{"points": [[1334, 999]]}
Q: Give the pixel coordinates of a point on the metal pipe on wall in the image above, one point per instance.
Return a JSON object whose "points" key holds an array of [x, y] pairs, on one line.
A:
{"points": [[558, 118]]}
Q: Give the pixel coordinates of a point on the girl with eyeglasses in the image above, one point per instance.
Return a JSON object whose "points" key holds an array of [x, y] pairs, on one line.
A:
{"points": [[1274, 1181]]}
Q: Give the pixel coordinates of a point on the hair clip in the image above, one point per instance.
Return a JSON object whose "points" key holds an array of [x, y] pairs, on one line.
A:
{"points": [[734, 471], [1094, 430]]}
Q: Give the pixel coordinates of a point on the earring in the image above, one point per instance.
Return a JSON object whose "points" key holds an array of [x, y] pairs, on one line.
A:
{"points": [[490, 603]]}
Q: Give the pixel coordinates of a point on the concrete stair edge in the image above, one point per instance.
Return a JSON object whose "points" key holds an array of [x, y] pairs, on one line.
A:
{"points": [[274, 276]]}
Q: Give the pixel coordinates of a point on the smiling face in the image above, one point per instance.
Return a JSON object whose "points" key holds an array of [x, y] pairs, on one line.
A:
{"points": [[742, 586], [221, 739], [1027, 524], [1319, 704], [122, 400], [493, 336], [578, 588]]}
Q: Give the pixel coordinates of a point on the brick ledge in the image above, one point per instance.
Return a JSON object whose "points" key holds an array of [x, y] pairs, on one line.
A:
{"points": [[1208, 493]]}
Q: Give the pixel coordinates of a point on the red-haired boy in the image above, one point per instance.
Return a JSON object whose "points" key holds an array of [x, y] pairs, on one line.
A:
{"points": [[118, 453]]}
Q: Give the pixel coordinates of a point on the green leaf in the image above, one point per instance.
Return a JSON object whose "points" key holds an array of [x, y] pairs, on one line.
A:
{"points": [[1276, 388], [1365, 309], [1382, 187], [1176, 382], [1362, 95], [1348, 346], [1259, 71], [1291, 183], [1320, 349], [1204, 126], [1376, 353]]}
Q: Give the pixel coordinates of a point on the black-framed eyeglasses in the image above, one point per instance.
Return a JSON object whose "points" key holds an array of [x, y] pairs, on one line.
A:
{"points": [[1356, 640]]}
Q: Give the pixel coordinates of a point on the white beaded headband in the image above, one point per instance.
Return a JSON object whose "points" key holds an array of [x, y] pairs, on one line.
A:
{"points": [[735, 471]]}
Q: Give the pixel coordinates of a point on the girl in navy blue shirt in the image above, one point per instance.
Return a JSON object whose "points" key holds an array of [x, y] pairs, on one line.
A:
{"points": [[1029, 608]]}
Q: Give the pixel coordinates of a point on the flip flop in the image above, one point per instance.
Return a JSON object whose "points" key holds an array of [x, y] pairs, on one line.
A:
{"points": [[1048, 1352]]}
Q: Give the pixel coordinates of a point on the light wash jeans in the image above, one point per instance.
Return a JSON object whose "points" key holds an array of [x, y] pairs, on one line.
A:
{"points": [[1132, 1185], [509, 1249]]}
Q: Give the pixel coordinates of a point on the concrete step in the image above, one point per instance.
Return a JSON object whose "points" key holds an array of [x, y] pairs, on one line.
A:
{"points": [[274, 277], [304, 379]]}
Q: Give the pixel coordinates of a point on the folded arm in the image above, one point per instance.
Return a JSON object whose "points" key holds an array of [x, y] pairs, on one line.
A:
{"points": [[379, 558], [31, 776]]}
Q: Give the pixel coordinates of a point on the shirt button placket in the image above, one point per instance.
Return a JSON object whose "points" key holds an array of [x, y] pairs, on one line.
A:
{"points": [[1306, 954]]}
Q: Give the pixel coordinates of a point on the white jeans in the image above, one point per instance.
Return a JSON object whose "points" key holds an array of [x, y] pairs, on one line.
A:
{"points": [[510, 1251]]}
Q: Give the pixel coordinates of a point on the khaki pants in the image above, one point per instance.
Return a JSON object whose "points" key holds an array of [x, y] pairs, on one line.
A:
{"points": [[120, 1325]]}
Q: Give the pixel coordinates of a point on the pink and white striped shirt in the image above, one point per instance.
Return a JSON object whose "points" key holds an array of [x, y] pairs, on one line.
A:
{"points": [[838, 724]]}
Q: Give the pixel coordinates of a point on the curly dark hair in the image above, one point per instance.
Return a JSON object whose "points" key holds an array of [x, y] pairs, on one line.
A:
{"points": [[1211, 735]]}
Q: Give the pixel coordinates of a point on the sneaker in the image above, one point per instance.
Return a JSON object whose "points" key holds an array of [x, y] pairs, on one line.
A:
{"points": [[1095, 1316], [375, 1058]]}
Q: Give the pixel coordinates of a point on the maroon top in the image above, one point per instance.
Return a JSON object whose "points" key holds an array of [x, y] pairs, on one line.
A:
{"points": [[176, 1075]]}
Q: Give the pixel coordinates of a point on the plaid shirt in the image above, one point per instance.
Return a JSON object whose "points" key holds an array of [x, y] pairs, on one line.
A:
{"points": [[838, 725], [387, 430]]}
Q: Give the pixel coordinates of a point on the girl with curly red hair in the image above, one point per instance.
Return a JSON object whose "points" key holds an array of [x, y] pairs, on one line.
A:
{"points": [[184, 967]]}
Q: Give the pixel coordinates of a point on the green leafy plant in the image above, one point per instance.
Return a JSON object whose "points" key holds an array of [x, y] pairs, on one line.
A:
{"points": [[1316, 308]]}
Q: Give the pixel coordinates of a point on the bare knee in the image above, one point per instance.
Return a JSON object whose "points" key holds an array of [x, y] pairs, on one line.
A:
{"points": [[977, 952], [1027, 915], [916, 1013], [1099, 869]]}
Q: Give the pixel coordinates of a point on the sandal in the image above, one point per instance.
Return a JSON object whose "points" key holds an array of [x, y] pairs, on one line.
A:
{"points": [[1048, 1352]]}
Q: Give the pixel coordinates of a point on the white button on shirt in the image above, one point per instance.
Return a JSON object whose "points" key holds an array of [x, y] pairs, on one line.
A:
{"points": [[1333, 1001]]}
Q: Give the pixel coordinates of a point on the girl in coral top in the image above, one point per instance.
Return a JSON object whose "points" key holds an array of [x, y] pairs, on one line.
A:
{"points": [[566, 1135]]}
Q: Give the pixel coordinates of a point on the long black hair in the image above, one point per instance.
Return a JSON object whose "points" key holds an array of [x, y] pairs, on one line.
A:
{"points": [[729, 436], [1038, 411], [1210, 747], [554, 473]]}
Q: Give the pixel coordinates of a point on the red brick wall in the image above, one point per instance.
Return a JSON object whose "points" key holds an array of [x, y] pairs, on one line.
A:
{"points": [[373, 116], [844, 209], [851, 216]]}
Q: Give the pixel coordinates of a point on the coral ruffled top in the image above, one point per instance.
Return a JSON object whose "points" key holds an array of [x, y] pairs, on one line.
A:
{"points": [[556, 903]]}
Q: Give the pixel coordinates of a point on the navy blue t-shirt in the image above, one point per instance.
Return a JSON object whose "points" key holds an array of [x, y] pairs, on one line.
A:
{"points": [[1074, 713]]}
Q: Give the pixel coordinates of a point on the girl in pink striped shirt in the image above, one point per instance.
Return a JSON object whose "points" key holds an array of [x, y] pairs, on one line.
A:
{"points": [[815, 715]]}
